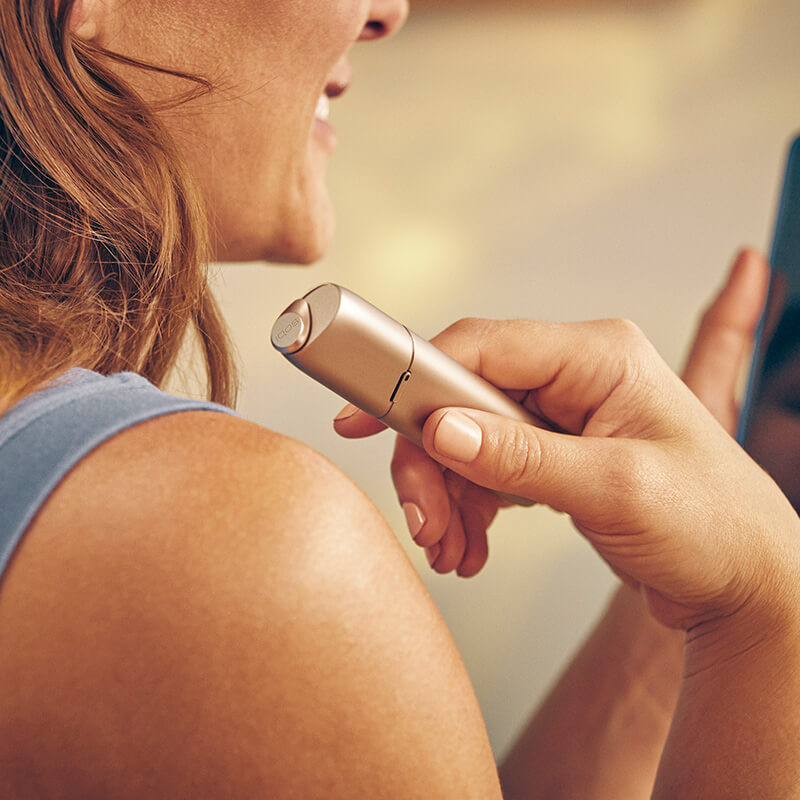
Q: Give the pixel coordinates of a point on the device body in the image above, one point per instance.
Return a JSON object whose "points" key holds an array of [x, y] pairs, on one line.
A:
{"points": [[769, 423], [377, 364]]}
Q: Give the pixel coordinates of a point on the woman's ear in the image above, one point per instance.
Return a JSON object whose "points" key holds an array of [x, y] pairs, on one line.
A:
{"points": [[84, 18]]}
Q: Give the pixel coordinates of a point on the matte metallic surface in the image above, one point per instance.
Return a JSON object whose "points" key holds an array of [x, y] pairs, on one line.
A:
{"points": [[365, 357], [354, 349], [291, 329], [438, 381], [361, 354]]}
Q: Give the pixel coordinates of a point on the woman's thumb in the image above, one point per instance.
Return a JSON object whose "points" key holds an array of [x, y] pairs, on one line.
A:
{"points": [[574, 474], [724, 337]]}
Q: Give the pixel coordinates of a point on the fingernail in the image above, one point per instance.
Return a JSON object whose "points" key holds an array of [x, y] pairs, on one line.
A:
{"points": [[414, 517], [458, 437], [348, 411], [432, 553]]}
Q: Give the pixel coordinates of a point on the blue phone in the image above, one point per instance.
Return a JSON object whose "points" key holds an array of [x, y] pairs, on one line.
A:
{"points": [[769, 424]]}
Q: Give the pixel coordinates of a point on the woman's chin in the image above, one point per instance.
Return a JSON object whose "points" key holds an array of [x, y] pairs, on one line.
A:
{"points": [[303, 250], [302, 247]]}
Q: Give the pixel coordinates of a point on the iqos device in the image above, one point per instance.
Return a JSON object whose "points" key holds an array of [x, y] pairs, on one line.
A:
{"points": [[379, 365]]}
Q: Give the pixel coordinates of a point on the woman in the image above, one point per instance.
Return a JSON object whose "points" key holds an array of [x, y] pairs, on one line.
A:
{"points": [[204, 608]]}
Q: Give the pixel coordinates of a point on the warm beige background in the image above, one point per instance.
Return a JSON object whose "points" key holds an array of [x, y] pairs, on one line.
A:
{"points": [[561, 164]]}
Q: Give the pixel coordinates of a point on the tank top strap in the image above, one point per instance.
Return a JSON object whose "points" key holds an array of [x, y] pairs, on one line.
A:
{"points": [[50, 431]]}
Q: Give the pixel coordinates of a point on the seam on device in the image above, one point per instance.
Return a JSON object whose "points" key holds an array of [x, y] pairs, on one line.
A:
{"points": [[404, 376]]}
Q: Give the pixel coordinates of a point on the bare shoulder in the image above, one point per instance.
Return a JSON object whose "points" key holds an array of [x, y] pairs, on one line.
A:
{"points": [[205, 608], [203, 469]]}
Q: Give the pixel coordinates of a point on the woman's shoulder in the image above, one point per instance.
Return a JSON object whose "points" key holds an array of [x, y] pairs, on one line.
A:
{"points": [[86, 444], [198, 470], [229, 615]]}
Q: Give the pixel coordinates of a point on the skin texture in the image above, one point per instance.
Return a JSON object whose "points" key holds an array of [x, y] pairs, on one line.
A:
{"points": [[458, 513], [609, 741], [203, 608], [252, 144], [676, 508], [600, 732], [612, 737], [648, 447]]}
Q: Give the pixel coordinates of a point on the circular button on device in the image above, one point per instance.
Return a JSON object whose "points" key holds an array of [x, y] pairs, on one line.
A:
{"points": [[291, 329]]}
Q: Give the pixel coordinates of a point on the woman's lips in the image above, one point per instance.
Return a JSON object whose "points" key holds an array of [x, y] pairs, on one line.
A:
{"points": [[323, 130], [326, 133], [323, 108], [336, 86]]}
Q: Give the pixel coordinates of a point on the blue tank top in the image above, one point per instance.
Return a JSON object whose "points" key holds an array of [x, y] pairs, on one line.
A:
{"points": [[48, 432]]}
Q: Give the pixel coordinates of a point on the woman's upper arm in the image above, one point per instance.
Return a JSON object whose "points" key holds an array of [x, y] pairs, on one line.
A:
{"points": [[206, 609]]}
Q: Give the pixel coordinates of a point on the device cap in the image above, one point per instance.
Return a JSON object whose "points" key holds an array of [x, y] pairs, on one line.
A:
{"points": [[291, 329]]}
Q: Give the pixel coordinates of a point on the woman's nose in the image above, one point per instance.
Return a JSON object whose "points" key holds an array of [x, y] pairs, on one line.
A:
{"points": [[385, 18]]}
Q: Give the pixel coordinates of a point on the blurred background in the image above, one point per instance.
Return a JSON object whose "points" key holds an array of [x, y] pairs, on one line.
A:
{"points": [[559, 161]]}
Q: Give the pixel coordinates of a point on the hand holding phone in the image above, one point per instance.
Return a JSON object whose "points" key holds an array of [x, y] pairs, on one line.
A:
{"points": [[769, 426]]}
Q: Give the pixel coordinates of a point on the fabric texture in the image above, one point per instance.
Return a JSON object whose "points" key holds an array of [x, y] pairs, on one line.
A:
{"points": [[48, 432]]}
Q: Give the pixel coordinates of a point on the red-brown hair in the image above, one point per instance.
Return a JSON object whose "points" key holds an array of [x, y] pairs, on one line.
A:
{"points": [[104, 242]]}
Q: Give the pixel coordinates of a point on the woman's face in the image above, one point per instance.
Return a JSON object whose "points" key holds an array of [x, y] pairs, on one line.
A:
{"points": [[258, 144]]}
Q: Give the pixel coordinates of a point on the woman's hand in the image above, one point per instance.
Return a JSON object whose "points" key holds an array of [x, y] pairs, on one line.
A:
{"points": [[725, 336], [643, 469], [572, 747], [449, 516], [656, 485], [674, 505]]}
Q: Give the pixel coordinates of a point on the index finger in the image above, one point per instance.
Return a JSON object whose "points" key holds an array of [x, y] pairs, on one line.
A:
{"points": [[353, 423], [569, 369]]}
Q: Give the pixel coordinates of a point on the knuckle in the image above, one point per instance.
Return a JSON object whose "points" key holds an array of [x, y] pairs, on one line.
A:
{"points": [[631, 479], [711, 321], [463, 327], [461, 340], [397, 468], [718, 322], [405, 459], [628, 331], [708, 315], [518, 458], [631, 350], [622, 338]]}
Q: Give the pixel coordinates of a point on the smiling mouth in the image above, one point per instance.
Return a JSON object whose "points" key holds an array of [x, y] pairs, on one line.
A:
{"points": [[323, 111], [322, 127], [334, 88]]}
